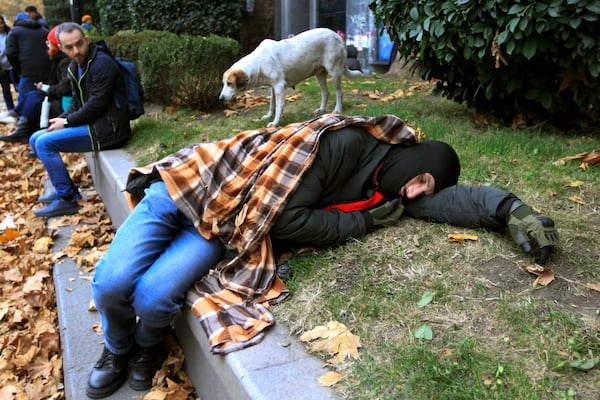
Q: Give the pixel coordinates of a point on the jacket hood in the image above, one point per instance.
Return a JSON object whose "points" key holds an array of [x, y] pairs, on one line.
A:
{"points": [[28, 23]]}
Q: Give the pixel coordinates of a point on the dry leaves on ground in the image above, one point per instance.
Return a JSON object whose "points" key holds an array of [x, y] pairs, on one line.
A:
{"points": [[30, 353]]}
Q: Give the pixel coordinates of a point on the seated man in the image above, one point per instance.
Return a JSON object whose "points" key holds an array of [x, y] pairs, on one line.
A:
{"points": [[97, 117], [207, 217]]}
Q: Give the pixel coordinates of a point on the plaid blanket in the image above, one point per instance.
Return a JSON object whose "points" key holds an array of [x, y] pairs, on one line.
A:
{"points": [[234, 189]]}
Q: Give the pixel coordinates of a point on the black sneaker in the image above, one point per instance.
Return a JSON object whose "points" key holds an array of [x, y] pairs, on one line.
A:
{"points": [[108, 375], [144, 365]]}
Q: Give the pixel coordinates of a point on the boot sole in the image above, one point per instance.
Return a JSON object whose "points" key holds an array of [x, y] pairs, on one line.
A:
{"points": [[139, 386], [69, 211], [93, 393]]}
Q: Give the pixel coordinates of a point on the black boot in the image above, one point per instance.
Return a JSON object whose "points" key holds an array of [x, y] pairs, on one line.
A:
{"points": [[21, 134], [108, 375], [145, 363]]}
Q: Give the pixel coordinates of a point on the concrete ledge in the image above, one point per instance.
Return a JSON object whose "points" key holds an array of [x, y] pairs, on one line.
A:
{"points": [[278, 367]]}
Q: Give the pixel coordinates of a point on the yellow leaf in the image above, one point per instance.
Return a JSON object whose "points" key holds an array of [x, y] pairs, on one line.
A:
{"points": [[330, 378], [42, 245], [458, 237], [575, 184], [335, 339]]}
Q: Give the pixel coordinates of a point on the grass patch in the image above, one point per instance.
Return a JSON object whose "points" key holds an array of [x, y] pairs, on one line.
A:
{"points": [[494, 335]]}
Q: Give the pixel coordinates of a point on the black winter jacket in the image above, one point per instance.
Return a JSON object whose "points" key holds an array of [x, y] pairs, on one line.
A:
{"points": [[26, 50], [340, 173], [99, 99], [59, 83]]}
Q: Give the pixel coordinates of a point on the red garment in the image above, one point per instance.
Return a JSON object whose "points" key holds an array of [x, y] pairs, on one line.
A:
{"points": [[357, 205]]}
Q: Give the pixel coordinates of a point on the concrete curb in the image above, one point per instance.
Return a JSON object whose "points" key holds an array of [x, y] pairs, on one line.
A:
{"points": [[278, 367]]}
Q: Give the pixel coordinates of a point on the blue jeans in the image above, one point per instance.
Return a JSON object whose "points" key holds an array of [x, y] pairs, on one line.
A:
{"points": [[155, 257], [48, 146], [25, 85]]}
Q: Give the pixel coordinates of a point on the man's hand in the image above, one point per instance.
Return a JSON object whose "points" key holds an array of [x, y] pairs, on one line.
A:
{"points": [[55, 124], [388, 213], [526, 227]]}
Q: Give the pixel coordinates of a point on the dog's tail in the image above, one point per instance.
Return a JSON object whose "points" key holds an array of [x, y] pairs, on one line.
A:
{"points": [[350, 74]]}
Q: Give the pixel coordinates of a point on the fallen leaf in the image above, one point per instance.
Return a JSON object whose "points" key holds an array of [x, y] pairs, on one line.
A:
{"points": [[43, 245], [585, 364], [593, 286], [330, 378], [8, 235], [575, 184], [335, 339], [458, 237], [587, 158], [544, 275], [424, 332], [425, 299], [577, 199]]}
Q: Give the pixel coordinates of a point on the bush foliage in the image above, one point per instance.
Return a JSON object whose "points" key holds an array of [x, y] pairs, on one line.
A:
{"points": [[184, 70], [505, 57], [195, 17]]}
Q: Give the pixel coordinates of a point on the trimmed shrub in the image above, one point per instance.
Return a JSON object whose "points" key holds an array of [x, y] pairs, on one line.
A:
{"points": [[115, 16], [183, 70], [194, 17], [504, 57]]}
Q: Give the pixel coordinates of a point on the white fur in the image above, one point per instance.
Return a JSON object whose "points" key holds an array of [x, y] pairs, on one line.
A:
{"points": [[283, 63]]}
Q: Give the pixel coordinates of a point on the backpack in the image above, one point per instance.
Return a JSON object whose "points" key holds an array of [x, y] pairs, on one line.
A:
{"points": [[133, 88]]}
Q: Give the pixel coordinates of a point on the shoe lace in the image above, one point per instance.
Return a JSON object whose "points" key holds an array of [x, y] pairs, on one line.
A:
{"points": [[108, 357]]}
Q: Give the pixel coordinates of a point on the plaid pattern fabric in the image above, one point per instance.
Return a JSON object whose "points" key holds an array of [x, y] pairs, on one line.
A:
{"points": [[234, 189]]}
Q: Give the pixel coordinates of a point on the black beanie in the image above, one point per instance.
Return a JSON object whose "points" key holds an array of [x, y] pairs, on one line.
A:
{"points": [[402, 163]]}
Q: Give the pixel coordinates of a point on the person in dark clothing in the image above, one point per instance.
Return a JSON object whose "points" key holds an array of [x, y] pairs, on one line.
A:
{"points": [[351, 58], [97, 117], [35, 15], [317, 183], [26, 51], [6, 75], [57, 88]]}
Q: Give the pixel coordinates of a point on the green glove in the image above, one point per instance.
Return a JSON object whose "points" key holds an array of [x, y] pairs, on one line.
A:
{"points": [[525, 226], [388, 213]]}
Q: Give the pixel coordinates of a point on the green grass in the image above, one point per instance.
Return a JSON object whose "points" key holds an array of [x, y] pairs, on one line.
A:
{"points": [[495, 336]]}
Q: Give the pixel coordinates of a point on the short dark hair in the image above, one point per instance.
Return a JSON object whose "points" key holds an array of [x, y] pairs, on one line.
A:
{"points": [[68, 27], [31, 8]]}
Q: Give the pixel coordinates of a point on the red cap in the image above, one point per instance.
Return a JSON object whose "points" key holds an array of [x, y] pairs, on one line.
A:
{"points": [[52, 36]]}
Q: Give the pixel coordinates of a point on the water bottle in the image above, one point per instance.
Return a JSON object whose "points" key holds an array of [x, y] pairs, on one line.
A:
{"points": [[45, 113]]}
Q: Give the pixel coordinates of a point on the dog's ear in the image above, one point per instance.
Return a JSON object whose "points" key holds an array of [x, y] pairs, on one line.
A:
{"points": [[241, 79]]}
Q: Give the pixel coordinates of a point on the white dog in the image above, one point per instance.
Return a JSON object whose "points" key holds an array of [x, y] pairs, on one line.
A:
{"points": [[287, 62]]}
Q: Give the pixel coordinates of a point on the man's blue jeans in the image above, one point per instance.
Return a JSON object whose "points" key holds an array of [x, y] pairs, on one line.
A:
{"points": [[48, 146], [155, 257]]}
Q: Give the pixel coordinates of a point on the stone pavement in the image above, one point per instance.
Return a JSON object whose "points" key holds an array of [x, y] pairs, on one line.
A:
{"points": [[278, 367]]}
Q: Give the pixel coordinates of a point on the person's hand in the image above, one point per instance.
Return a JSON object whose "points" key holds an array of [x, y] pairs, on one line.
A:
{"points": [[55, 124], [526, 227], [388, 213]]}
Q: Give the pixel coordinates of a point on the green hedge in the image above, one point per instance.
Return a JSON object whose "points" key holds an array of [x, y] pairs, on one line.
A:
{"points": [[191, 17], [506, 57], [183, 70]]}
